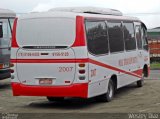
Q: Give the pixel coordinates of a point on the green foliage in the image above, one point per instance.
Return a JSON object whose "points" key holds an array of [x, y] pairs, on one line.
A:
{"points": [[155, 65]]}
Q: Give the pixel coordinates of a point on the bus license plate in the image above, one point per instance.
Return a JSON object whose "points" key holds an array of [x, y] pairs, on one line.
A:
{"points": [[45, 81]]}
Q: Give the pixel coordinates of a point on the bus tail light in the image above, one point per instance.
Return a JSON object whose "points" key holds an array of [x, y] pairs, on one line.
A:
{"points": [[11, 70], [12, 77], [82, 71], [81, 65], [11, 65], [82, 77], [1, 66]]}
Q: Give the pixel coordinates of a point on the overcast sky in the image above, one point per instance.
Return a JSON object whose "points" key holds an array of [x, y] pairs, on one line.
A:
{"points": [[150, 8]]}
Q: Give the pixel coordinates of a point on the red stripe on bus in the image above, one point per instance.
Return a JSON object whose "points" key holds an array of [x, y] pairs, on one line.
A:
{"points": [[112, 68], [136, 73], [80, 32], [49, 60], [14, 41], [74, 90]]}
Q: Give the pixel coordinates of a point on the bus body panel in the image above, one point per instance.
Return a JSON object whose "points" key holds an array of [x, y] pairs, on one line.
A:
{"points": [[101, 68], [33, 66]]}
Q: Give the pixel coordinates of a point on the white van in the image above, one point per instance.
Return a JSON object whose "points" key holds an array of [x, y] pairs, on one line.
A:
{"points": [[77, 52]]}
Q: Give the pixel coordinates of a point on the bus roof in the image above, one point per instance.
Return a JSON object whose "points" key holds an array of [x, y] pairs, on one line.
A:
{"points": [[85, 12], [7, 13], [91, 10]]}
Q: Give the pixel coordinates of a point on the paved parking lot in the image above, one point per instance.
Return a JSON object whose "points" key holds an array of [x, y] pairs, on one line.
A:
{"points": [[128, 99], [155, 74]]}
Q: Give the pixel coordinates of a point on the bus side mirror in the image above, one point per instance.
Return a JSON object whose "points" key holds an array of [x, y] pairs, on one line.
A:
{"points": [[1, 31]]}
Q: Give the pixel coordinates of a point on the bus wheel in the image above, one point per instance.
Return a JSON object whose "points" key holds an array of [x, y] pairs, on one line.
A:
{"points": [[140, 83], [52, 99], [107, 97]]}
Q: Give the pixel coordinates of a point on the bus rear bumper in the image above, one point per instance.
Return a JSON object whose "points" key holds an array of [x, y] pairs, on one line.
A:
{"points": [[74, 90]]}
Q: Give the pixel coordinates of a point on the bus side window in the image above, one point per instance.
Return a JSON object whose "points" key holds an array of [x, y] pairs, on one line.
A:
{"points": [[97, 38], [138, 37], [144, 38], [1, 30], [115, 33], [129, 36]]}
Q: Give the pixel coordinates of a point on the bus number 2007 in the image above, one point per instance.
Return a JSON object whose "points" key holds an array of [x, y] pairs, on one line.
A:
{"points": [[65, 69]]}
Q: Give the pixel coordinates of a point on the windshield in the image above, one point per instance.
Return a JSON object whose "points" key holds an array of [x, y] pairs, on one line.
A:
{"points": [[6, 25], [46, 32]]}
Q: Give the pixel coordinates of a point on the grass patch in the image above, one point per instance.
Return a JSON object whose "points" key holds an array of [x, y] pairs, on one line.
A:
{"points": [[155, 65]]}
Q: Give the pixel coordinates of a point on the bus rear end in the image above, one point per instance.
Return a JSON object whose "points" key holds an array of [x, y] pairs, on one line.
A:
{"points": [[45, 59]]}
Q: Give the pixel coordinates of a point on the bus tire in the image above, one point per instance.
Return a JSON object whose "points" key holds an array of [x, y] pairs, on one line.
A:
{"points": [[107, 97], [140, 83], [55, 99]]}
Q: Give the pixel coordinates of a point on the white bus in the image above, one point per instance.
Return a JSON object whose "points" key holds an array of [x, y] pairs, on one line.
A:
{"points": [[78, 52], [6, 24]]}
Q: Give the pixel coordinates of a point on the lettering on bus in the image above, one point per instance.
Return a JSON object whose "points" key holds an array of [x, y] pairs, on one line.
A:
{"points": [[146, 58], [63, 54], [128, 61], [93, 72], [28, 54], [65, 69]]}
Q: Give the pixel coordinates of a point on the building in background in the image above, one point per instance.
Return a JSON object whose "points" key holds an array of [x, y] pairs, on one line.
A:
{"points": [[154, 44]]}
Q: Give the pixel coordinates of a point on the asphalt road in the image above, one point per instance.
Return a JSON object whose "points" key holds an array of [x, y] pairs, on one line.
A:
{"points": [[129, 99], [154, 74]]}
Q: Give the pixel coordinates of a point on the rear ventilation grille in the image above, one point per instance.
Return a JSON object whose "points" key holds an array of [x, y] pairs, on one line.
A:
{"points": [[44, 47]]}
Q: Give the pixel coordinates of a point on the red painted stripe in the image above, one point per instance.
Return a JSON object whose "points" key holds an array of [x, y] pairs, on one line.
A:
{"points": [[14, 41], [74, 90], [49, 60], [80, 32], [112, 68], [137, 73]]}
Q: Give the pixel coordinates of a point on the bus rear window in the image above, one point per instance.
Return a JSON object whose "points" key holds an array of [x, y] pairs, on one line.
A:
{"points": [[5, 33], [46, 32]]}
